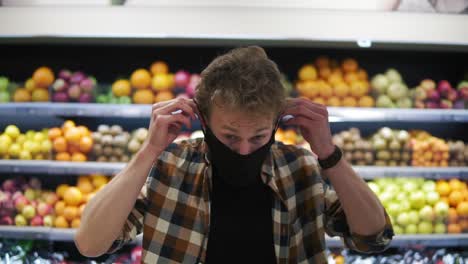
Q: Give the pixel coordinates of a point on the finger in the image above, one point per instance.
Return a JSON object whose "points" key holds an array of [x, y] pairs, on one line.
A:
{"points": [[167, 120], [304, 111], [321, 109], [173, 107], [301, 122]]}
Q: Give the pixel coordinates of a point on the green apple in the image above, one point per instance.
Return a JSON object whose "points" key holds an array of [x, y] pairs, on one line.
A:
{"points": [[4, 97], [28, 211], [440, 228], [39, 137], [425, 228], [410, 187], [401, 196], [413, 217], [385, 197], [21, 139], [125, 100], [411, 229], [441, 210], [4, 83], [432, 197], [12, 131], [398, 230], [20, 220], [14, 150], [405, 205], [429, 186], [25, 155], [393, 208], [426, 213], [417, 199], [46, 146], [30, 134], [30, 194], [403, 219]]}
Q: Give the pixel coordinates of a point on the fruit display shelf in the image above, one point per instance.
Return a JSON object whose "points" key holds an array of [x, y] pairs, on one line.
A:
{"points": [[108, 168], [64, 234], [355, 29], [337, 114]]}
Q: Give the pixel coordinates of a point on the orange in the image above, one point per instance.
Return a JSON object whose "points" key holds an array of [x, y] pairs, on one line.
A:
{"points": [[340, 89], [43, 77], [83, 178], [59, 207], [335, 78], [334, 101], [73, 135], [359, 89], [73, 196], [21, 95], [443, 188], [99, 180], [88, 197], [121, 88], [455, 184], [61, 222], [73, 147], [322, 62], [86, 144], [309, 89], [54, 133], [78, 157], [366, 101], [324, 73], [349, 65], [454, 228], [462, 209], [76, 223], [349, 102], [140, 79], [290, 135], [67, 125], [319, 100], [63, 156], [161, 82], [60, 191], [307, 73], [452, 215], [70, 212], [40, 95], [163, 96], [455, 198], [159, 67], [30, 85], [362, 75], [84, 131], [143, 97], [325, 89], [85, 187], [351, 77], [445, 199], [463, 225]]}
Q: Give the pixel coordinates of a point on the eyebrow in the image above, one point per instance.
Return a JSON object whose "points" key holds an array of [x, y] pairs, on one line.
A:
{"points": [[235, 130]]}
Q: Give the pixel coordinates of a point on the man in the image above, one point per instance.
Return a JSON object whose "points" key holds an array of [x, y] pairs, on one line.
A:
{"points": [[236, 196]]}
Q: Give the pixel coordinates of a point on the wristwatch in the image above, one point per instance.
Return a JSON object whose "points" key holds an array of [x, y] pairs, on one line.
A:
{"points": [[331, 160]]}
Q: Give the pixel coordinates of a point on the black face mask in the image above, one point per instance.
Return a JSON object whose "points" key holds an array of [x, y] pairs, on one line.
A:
{"points": [[234, 168]]}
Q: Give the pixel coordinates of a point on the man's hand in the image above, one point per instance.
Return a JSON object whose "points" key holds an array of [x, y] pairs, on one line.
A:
{"points": [[312, 119]]}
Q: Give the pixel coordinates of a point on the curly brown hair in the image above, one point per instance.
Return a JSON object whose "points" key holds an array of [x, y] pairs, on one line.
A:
{"points": [[243, 79]]}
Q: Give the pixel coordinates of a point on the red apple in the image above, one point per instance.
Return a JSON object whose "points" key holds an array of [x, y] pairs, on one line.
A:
{"points": [[428, 84], [85, 98], [444, 87], [51, 198], [36, 221], [60, 97], [446, 104], [432, 105], [7, 208], [65, 74], [44, 209], [182, 78], [60, 85], [74, 92], [48, 220], [6, 220], [20, 203], [9, 186], [433, 95]]}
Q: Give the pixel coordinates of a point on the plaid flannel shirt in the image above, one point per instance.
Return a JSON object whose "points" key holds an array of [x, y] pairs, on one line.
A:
{"points": [[173, 210]]}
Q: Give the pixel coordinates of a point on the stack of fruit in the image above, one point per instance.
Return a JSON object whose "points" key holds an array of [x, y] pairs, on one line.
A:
{"points": [[110, 143], [428, 95], [462, 101], [138, 136], [120, 93], [458, 153], [73, 199], [288, 136], [455, 193], [356, 150], [26, 203], [36, 88], [71, 142], [392, 147], [328, 83], [428, 150], [390, 90], [28, 146], [74, 87], [413, 204], [4, 89]]}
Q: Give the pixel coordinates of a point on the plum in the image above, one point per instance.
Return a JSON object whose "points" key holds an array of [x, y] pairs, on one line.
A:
{"points": [[87, 85], [77, 77], [61, 97], [460, 104], [85, 98], [444, 88], [6, 220], [74, 92], [182, 78], [65, 74], [446, 104], [433, 95], [60, 85]]}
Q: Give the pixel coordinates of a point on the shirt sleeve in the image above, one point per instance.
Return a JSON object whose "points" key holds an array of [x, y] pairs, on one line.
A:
{"points": [[134, 223], [336, 225]]}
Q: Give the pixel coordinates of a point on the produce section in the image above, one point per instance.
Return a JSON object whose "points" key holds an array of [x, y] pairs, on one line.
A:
{"points": [[399, 115]]}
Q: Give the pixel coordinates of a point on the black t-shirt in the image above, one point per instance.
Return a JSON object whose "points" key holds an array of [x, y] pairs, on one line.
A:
{"points": [[241, 229]]}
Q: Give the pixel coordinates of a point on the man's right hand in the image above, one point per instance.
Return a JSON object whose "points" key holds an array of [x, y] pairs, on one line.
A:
{"points": [[165, 126]]}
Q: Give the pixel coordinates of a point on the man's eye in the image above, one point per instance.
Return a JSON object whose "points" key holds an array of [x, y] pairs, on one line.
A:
{"points": [[230, 137], [258, 138]]}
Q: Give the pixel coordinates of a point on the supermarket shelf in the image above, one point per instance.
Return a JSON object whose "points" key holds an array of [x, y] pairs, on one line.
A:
{"points": [[372, 172], [337, 114], [59, 167], [107, 168], [266, 25], [59, 234], [445, 240]]}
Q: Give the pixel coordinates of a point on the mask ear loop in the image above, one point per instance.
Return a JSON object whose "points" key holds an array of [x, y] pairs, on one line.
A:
{"points": [[200, 117]]}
